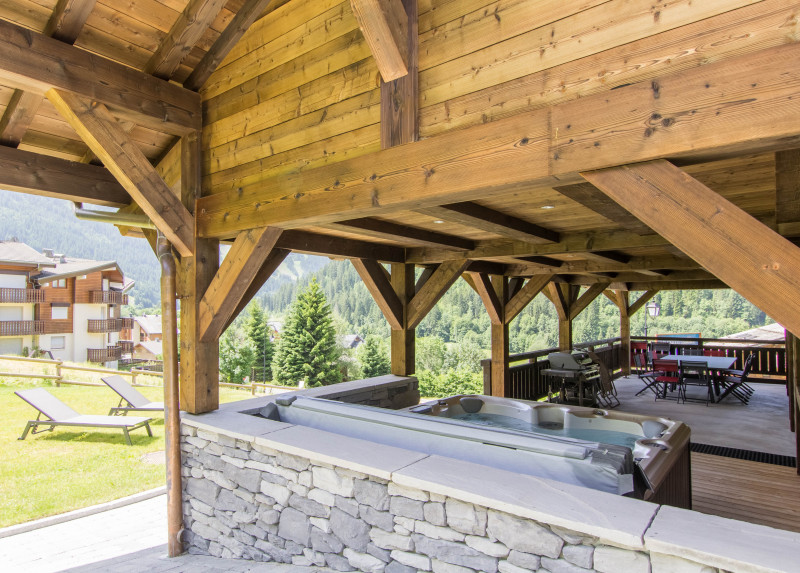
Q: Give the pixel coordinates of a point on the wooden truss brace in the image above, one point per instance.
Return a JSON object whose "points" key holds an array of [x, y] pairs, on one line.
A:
{"points": [[503, 312], [744, 253], [101, 132], [384, 24], [378, 282], [232, 282]]}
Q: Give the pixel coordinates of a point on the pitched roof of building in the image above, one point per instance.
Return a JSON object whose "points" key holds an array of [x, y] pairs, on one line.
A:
{"points": [[150, 323], [21, 254], [65, 267], [154, 347], [767, 333]]}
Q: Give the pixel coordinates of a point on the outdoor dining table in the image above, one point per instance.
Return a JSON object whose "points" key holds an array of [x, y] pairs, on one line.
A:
{"points": [[715, 364]]}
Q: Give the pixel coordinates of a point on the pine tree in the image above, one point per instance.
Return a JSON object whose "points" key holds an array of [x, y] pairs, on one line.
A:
{"points": [[258, 333], [307, 349], [374, 361]]}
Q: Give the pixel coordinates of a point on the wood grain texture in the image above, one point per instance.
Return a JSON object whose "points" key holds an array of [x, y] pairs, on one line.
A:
{"points": [[591, 197], [37, 63], [744, 104], [379, 285], [68, 19], [403, 361], [526, 294], [19, 114], [53, 177], [424, 300], [499, 334], [318, 244], [586, 299], [472, 214], [101, 132], [787, 186], [235, 275], [268, 268], [388, 230], [400, 97], [482, 284], [384, 24], [182, 37], [751, 258]]}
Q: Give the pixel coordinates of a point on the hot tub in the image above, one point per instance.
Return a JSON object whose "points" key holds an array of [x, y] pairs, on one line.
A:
{"points": [[660, 446], [590, 463]]}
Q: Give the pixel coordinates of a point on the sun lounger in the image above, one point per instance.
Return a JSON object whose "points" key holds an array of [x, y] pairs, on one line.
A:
{"points": [[131, 400], [59, 414]]}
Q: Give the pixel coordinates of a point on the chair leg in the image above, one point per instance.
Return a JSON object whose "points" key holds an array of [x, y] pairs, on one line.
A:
{"points": [[127, 436], [147, 427], [28, 426]]}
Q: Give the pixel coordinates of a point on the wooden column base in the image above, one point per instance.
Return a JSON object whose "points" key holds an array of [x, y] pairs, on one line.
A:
{"points": [[403, 359], [500, 360]]}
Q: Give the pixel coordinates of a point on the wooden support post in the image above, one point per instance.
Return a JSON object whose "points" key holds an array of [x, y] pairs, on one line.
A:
{"points": [[199, 370], [500, 376], [791, 381], [621, 297], [561, 295], [384, 24], [399, 99], [402, 354]]}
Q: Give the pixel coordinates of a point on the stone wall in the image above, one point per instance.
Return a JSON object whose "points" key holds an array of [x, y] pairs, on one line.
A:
{"points": [[243, 500]]}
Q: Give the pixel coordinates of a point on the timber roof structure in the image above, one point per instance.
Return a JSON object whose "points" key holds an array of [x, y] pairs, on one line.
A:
{"points": [[607, 145]]}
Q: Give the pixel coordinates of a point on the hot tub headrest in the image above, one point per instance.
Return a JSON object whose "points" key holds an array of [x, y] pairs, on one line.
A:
{"points": [[653, 429], [471, 404]]}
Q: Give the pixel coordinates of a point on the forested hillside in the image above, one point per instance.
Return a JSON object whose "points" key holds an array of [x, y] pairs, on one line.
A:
{"points": [[460, 316]]}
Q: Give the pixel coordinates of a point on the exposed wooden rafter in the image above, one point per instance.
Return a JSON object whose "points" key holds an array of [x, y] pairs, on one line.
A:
{"points": [[748, 256], [101, 132], [393, 231], [233, 279], [250, 11], [541, 148], [53, 177], [378, 283], [592, 198], [787, 192], [193, 22], [384, 24], [586, 299], [526, 294], [317, 244], [36, 63], [474, 215], [268, 267], [400, 97], [641, 301], [434, 288]]}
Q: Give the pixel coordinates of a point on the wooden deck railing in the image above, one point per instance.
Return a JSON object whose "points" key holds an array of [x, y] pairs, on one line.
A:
{"points": [[101, 355], [527, 383], [126, 346], [21, 295], [21, 327], [108, 297]]}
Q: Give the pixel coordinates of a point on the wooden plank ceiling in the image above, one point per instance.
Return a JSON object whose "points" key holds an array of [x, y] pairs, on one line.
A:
{"points": [[571, 230]]}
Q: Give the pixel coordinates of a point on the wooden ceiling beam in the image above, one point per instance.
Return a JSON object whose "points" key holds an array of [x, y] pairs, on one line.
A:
{"points": [[592, 198], [65, 24], [384, 24], [483, 286], [379, 285], [442, 279], [53, 177], [787, 187], [101, 132], [190, 26], [747, 255], [641, 301], [268, 268], [607, 257], [540, 148], [250, 11], [232, 280], [36, 63], [477, 216], [327, 245], [543, 261], [488, 267], [652, 266], [395, 232]]}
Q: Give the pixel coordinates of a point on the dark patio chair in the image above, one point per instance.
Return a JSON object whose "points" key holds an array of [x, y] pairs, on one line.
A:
{"points": [[131, 400], [696, 373], [737, 386], [648, 377]]}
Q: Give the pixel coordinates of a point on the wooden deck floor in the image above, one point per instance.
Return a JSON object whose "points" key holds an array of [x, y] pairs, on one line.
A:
{"points": [[748, 491]]}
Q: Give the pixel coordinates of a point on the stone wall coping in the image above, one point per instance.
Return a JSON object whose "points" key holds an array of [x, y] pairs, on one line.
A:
{"points": [[725, 543], [342, 451], [617, 520], [234, 424]]}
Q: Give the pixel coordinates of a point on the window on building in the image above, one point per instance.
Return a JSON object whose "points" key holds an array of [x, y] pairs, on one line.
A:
{"points": [[60, 283], [59, 312], [82, 277], [58, 342]]}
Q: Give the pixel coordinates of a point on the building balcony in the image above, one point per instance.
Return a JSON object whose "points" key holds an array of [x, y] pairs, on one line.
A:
{"points": [[107, 297], [102, 355], [21, 295], [126, 346], [109, 325], [21, 327]]}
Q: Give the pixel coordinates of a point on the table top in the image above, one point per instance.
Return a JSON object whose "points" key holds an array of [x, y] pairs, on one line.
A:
{"points": [[714, 362]]}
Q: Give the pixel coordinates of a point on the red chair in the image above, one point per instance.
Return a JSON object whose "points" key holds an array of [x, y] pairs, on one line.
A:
{"points": [[712, 352], [668, 374]]}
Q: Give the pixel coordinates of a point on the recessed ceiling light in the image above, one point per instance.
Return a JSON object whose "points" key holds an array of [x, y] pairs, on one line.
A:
{"points": [[548, 207], [438, 221]]}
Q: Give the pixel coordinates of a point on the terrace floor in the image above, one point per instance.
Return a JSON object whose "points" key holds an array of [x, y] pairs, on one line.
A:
{"points": [[751, 491]]}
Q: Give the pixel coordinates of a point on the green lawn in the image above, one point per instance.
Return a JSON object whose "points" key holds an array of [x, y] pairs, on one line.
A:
{"points": [[67, 469]]}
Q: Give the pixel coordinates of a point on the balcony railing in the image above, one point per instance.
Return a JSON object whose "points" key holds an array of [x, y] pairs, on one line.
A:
{"points": [[21, 295], [109, 325], [126, 346], [107, 297], [102, 355], [21, 327]]}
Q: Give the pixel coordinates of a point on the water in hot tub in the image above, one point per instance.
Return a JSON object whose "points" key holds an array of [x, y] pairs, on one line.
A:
{"points": [[590, 435]]}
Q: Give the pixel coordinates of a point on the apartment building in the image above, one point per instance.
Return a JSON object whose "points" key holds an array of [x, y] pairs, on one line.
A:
{"points": [[71, 307]]}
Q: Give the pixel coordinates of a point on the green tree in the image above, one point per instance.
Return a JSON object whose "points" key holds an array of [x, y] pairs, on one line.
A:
{"points": [[373, 358], [258, 333], [307, 349], [236, 355]]}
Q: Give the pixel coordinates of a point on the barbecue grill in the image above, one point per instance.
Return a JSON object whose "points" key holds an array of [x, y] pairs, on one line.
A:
{"points": [[577, 373]]}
